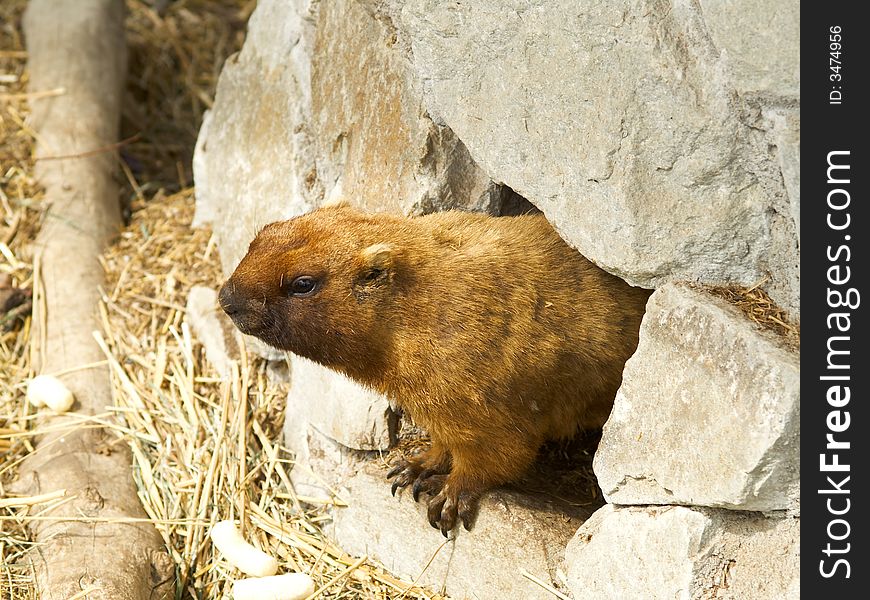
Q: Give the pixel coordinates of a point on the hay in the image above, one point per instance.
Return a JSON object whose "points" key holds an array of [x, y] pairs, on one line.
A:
{"points": [[759, 308], [20, 216], [176, 51]]}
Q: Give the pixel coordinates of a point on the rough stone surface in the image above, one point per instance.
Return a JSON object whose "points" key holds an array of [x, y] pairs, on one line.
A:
{"points": [[785, 125], [330, 423], [622, 121], [254, 149], [681, 553], [316, 106], [213, 329], [320, 465], [757, 61], [484, 563], [529, 532], [339, 408], [708, 412], [376, 145]]}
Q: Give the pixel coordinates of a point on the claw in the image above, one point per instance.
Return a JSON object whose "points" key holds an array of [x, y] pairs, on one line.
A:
{"points": [[395, 470], [394, 487], [468, 509], [442, 513], [448, 514], [434, 512], [446, 510], [420, 482]]}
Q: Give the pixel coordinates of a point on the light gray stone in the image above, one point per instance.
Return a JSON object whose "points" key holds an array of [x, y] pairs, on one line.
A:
{"points": [[484, 563], [512, 532], [213, 329], [785, 126], [320, 465], [253, 162], [328, 424], [757, 61], [340, 408], [621, 122], [708, 412], [637, 553], [317, 106], [678, 553], [376, 145]]}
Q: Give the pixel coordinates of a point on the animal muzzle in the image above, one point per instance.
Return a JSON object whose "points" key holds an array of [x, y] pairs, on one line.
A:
{"points": [[238, 307], [229, 301]]}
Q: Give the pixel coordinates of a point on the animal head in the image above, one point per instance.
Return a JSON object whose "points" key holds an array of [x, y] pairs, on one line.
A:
{"points": [[318, 285]]}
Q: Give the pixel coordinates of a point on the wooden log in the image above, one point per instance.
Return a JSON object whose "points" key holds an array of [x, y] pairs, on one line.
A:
{"points": [[79, 46]]}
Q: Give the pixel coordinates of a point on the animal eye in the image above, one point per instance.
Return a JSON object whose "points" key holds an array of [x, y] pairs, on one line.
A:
{"points": [[303, 286]]}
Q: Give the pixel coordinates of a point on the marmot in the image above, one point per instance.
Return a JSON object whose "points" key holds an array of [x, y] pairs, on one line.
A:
{"points": [[492, 333]]}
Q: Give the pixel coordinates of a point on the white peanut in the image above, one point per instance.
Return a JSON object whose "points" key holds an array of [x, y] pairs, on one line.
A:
{"points": [[239, 553], [48, 390]]}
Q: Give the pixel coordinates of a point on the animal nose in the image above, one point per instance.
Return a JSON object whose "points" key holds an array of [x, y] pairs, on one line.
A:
{"points": [[228, 300]]}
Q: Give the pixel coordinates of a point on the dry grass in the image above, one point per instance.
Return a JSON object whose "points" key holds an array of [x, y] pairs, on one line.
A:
{"points": [[176, 51], [204, 449], [20, 215], [761, 310]]}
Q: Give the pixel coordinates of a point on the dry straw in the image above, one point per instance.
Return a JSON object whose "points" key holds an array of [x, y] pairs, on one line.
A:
{"points": [[758, 307], [20, 214]]}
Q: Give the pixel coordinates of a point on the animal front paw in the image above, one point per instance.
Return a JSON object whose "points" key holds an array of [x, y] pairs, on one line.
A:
{"points": [[451, 504], [408, 472]]}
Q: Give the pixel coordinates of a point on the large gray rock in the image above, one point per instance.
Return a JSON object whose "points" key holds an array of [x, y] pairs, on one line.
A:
{"points": [[757, 61], [320, 464], [253, 159], [708, 412], [623, 122], [329, 425], [508, 536], [513, 531], [339, 408], [318, 105], [213, 328], [376, 144], [677, 553], [785, 125]]}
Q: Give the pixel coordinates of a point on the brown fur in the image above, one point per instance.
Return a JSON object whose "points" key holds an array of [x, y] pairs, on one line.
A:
{"points": [[490, 332]]}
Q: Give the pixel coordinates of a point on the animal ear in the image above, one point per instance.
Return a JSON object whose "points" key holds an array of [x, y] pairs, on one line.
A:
{"points": [[378, 257], [377, 269], [337, 201]]}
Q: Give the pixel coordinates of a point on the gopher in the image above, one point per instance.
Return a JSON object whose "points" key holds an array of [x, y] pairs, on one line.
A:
{"points": [[490, 332]]}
